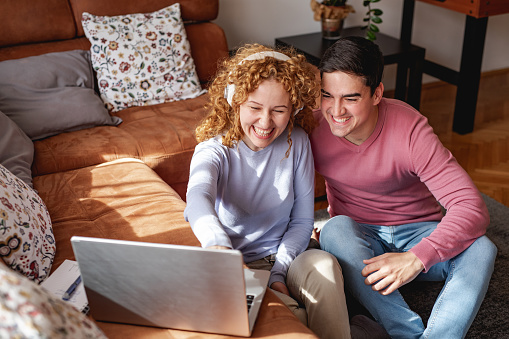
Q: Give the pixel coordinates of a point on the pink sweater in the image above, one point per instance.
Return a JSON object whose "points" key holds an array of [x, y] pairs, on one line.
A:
{"points": [[396, 177]]}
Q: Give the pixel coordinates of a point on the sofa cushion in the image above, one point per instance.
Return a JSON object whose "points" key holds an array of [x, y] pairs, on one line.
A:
{"points": [[27, 244], [162, 136], [27, 21], [122, 199], [52, 93], [16, 150], [142, 59], [28, 50], [29, 311], [209, 47]]}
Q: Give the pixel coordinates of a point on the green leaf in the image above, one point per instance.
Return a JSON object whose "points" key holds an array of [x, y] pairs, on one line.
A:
{"points": [[376, 19], [365, 19], [375, 0], [131, 95], [370, 35], [374, 28], [142, 66], [162, 59], [115, 89], [113, 27], [366, 2], [159, 90], [377, 11]]}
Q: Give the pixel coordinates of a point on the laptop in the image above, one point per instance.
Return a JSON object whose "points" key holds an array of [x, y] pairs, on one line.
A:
{"points": [[169, 286]]}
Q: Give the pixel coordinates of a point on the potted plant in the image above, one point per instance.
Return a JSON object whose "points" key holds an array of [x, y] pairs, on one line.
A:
{"points": [[372, 19], [332, 14]]}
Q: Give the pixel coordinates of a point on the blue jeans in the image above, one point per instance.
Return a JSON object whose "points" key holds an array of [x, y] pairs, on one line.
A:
{"points": [[466, 277]]}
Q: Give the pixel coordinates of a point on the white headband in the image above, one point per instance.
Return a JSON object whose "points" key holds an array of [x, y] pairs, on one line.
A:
{"points": [[265, 54], [229, 91]]}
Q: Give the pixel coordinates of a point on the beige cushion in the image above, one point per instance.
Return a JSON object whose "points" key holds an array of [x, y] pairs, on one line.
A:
{"points": [[29, 311], [142, 59], [27, 244]]}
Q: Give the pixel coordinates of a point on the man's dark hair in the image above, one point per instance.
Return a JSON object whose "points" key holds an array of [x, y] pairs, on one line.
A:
{"points": [[355, 55]]}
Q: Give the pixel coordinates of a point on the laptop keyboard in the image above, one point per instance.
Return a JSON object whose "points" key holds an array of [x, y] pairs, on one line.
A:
{"points": [[249, 298]]}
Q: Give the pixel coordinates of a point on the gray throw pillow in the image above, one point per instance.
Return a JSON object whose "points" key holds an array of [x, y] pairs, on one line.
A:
{"points": [[52, 93], [16, 150]]}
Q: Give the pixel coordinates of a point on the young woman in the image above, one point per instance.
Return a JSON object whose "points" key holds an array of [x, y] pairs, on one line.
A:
{"points": [[251, 185]]}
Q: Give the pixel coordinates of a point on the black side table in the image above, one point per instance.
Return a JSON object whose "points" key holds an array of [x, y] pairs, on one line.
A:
{"points": [[408, 57]]}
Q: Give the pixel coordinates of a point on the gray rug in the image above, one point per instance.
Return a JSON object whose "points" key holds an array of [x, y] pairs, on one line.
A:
{"points": [[492, 321]]}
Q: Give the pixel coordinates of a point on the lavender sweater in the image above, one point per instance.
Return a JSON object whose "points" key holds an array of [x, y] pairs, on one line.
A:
{"points": [[260, 203], [396, 177]]}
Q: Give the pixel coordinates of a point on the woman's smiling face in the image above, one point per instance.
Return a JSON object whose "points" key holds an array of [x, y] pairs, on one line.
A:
{"points": [[265, 114]]}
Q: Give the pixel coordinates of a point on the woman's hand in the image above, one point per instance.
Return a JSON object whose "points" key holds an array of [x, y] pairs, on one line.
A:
{"points": [[280, 287], [316, 234], [215, 247]]}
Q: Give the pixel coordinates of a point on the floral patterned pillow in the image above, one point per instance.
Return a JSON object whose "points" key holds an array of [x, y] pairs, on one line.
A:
{"points": [[27, 244], [29, 311], [142, 59]]}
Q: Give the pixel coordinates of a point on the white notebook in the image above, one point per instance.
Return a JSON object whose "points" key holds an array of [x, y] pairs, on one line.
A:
{"points": [[60, 280]]}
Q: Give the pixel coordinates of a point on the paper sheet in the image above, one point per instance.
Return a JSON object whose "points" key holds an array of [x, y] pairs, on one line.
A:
{"points": [[60, 280]]}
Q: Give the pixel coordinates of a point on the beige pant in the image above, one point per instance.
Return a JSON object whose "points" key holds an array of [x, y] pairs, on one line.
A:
{"points": [[315, 281]]}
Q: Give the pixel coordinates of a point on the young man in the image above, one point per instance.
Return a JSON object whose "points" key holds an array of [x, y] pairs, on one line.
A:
{"points": [[386, 173]]}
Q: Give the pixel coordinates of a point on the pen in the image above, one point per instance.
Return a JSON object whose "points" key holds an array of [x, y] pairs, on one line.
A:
{"points": [[67, 295]]}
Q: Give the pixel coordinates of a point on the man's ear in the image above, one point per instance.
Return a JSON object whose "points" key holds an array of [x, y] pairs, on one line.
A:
{"points": [[379, 92]]}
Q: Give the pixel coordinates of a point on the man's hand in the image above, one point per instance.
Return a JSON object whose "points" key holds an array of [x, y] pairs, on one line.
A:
{"points": [[280, 287], [388, 272]]}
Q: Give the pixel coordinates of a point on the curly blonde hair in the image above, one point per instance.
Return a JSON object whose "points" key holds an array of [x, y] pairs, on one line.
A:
{"points": [[296, 75]]}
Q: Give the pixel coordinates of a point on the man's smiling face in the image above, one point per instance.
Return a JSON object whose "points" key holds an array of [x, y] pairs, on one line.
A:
{"points": [[349, 107]]}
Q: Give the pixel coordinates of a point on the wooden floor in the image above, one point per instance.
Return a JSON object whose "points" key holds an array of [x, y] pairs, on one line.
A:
{"points": [[484, 153]]}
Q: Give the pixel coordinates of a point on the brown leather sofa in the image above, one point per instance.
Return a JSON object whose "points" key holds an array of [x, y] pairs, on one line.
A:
{"points": [[127, 181]]}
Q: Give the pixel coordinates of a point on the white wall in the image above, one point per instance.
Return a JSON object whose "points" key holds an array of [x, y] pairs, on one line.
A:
{"points": [[438, 30]]}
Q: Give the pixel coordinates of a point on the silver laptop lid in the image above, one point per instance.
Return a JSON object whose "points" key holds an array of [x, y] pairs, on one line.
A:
{"points": [[169, 286]]}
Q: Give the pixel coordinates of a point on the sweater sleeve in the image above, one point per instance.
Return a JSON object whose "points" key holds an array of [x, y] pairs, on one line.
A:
{"points": [[466, 216], [296, 238], [201, 196]]}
